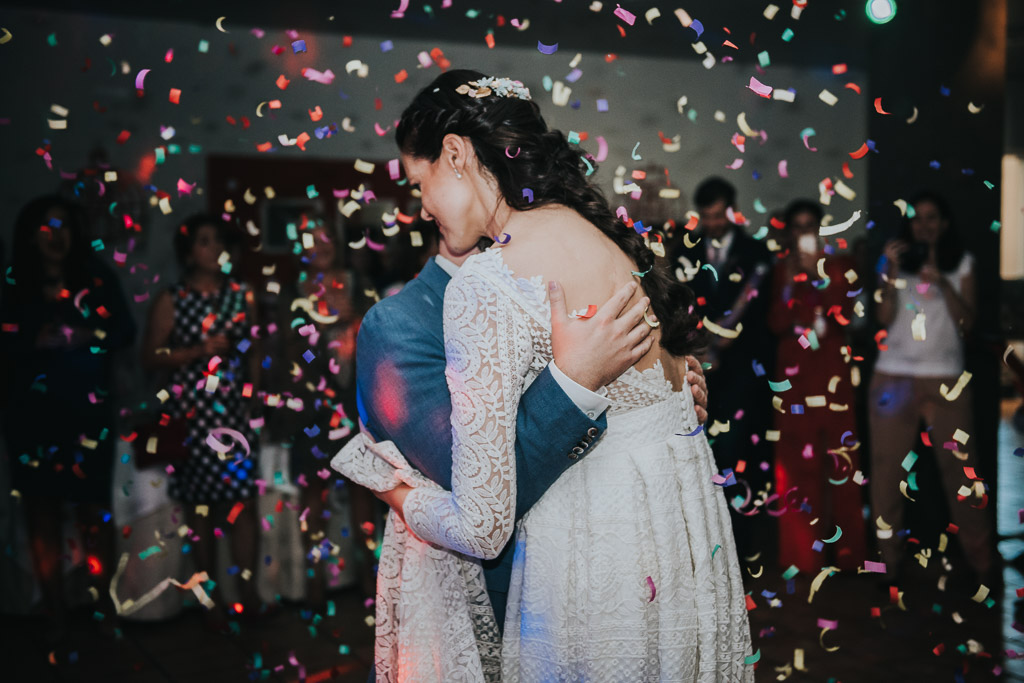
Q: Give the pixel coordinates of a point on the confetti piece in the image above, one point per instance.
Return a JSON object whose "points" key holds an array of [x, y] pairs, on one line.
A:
{"points": [[547, 49], [954, 393], [784, 385], [6, 37], [695, 432], [528, 194], [876, 567], [220, 24], [760, 88], [650, 582], [625, 15], [828, 98], [589, 313], [754, 658], [140, 79], [826, 231]]}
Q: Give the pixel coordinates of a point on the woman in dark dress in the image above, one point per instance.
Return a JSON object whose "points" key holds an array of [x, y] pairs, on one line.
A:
{"points": [[199, 330], [63, 318]]}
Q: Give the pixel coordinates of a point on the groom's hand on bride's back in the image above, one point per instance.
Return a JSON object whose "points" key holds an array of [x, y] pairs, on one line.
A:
{"points": [[698, 387], [595, 351]]}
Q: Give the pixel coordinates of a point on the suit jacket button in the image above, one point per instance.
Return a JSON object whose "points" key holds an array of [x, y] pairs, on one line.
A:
{"points": [[592, 432], [577, 450]]}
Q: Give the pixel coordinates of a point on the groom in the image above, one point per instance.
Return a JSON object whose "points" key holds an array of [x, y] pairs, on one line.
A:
{"points": [[403, 395]]}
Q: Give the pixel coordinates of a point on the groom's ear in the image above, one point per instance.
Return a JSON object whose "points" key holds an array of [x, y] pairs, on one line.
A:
{"points": [[456, 151]]}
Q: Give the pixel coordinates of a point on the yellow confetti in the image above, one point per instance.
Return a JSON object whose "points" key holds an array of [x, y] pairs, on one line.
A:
{"points": [[960, 436], [721, 331], [364, 166], [820, 579], [954, 393]]}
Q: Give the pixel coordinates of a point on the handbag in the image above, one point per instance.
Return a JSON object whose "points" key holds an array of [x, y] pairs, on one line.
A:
{"points": [[161, 442]]}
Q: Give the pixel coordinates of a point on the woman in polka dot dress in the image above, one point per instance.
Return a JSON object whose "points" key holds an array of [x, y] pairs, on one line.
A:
{"points": [[199, 330]]}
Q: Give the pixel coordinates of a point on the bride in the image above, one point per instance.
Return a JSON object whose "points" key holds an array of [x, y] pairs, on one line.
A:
{"points": [[626, 569]]}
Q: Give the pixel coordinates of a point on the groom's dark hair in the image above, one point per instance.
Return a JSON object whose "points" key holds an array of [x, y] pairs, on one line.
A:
{"points": [[514, 144]]}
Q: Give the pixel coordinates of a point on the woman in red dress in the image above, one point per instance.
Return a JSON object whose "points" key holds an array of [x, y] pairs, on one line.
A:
{"points": [[817, 454]]}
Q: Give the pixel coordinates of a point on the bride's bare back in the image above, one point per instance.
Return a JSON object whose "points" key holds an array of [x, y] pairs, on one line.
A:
{"points": [[557, 243]]}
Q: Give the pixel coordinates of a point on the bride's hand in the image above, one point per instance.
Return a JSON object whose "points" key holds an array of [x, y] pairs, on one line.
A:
{"points": [[395, 498], [594, 352], [699, 386]]}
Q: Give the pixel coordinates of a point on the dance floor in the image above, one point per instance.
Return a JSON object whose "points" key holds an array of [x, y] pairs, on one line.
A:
{"points": [[850, 631]]}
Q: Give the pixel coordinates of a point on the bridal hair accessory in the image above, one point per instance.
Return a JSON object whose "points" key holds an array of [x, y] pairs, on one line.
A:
{"points": [[500, 87]]}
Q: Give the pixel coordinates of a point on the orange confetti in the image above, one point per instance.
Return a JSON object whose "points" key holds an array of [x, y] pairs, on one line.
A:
{"points": [[236, 510], [282, 82], [264, 147], [302, 140], [316, 114], [401, 76], [591, 310], [691, 223], [175, 96], [847, 173], [861, 151], [489, 39], [838, 69], [879, 336], [853, 86], [878, 107]]}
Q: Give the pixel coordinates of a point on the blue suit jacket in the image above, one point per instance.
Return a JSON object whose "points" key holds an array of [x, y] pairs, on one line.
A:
{"points": [[403, 397]]}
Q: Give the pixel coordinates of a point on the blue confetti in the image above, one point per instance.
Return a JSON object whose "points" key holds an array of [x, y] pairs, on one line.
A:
{"points": [[298, 46], [387, 46]]}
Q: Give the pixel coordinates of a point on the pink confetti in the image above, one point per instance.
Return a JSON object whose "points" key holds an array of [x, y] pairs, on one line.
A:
{"points": [[760, 88], [393, 169], [876, 567], [400, 12], [625, 15], [783, 170], [140, 79], [650, 582], [735, 164], [826, 623], [602, 149]]}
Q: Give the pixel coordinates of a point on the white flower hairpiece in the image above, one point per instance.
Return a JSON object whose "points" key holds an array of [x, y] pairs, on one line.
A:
{"points": [[500, 87]]}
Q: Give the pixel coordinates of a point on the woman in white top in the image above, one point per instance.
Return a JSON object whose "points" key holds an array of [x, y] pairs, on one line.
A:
{"points": [[926, 306]]}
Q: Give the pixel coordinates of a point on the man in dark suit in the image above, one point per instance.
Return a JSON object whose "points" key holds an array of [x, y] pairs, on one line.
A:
{"points": [[403, 394], [729, 272]]}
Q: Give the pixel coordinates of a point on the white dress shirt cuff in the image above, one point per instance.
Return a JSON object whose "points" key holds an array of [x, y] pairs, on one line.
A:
{"points": [[592, 404]]}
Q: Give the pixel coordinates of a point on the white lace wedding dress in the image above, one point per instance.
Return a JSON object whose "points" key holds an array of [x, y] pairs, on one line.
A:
{"points": [[626, 569]]}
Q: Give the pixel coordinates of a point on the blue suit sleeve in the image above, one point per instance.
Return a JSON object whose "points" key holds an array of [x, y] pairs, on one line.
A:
{"points": [[403, 390], [404, 398], [548, 426]]}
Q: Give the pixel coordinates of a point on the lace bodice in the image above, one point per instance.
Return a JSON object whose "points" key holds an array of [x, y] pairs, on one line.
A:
{"points": [[497, 340]]}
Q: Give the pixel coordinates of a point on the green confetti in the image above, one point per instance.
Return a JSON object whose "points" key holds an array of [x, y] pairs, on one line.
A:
{"points": [[161, 155], [204, 46], [343, 650], [995, 226], [573, 137], [715, 550], [331, 611], [174, 148], [52, 39], [912, 481], [754, 658], [195, 149], [784, 385], [257, 661], [909, 460], [787, 35], [790, 573], [763, 59], [989, 185], [472, 13], [97, 245], [311, 192], [590, 167], [151, 550]]}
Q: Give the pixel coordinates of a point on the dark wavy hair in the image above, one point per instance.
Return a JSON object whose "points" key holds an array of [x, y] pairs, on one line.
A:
{"points": [[515, 145], [27, 259], [949, 250]]}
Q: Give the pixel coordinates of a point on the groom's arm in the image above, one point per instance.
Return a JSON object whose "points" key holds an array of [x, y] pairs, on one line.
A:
{"points": [[402, 391], [404, 398]]}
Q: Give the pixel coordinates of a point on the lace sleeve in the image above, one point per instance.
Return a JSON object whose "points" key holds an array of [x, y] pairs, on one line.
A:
{"points": [[488, 350]]}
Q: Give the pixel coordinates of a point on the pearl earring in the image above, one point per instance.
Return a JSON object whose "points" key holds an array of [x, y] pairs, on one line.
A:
{"points": [[457, 174]]}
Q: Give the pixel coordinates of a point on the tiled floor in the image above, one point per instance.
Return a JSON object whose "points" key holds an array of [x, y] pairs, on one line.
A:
{"points": [[943, 635]]}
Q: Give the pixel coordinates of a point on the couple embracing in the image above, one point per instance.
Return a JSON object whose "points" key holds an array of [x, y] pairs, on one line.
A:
{"points": [[553, 515]]}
